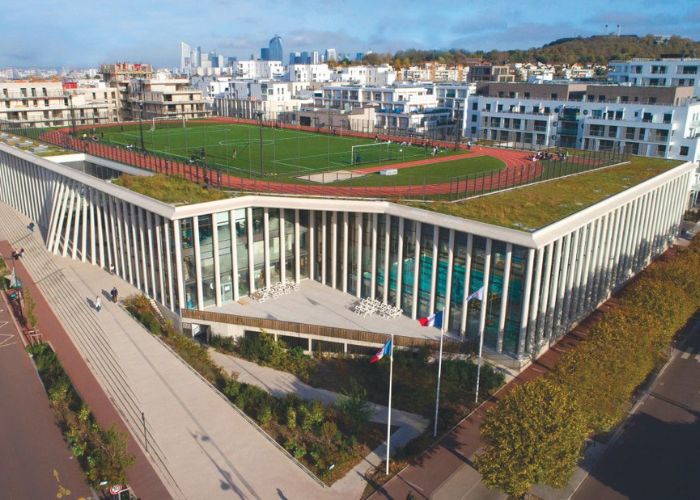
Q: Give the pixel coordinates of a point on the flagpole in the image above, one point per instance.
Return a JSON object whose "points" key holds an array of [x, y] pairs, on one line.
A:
{"points": [[437, 394], [478, 366], [388, 422]]}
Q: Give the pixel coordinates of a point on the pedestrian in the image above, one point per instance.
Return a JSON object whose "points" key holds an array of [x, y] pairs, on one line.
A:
{"points": [[98, 304], [31, 227], [21, 253], [114, 294]]}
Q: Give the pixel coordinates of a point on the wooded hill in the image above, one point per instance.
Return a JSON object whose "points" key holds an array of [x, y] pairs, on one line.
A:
{"points": [[594, 49]]}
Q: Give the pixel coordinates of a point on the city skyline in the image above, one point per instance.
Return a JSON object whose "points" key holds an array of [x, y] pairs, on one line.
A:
{"points": [[241, 28]]}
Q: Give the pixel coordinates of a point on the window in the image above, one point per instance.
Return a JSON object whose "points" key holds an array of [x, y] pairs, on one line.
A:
{"points": [[684, 151], [667, 117]]}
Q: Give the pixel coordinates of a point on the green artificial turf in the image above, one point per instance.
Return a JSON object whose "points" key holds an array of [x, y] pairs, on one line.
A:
{"points": [[433, 173], [286, 154]]}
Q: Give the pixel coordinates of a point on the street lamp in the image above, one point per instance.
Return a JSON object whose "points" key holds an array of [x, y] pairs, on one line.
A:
{"points": [[259, 115], [141, 123]]}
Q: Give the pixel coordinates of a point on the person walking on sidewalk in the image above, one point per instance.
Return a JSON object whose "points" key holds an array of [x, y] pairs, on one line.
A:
{"points": [[98, 304], [114, 294]]}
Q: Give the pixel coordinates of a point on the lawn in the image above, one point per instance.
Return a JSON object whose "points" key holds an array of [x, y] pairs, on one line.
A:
{"points": [[533, 207], [432, 173], [285, 153], [174, 190]]}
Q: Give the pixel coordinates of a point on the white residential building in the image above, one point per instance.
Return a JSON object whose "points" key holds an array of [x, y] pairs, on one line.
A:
{"points": [[657, 72], [248, 98], [663, 122], [381, 75], [258, 69], [316, 73]]}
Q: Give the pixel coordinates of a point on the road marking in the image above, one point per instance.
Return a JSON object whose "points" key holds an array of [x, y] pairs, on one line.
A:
{"points": [[685, 355]]}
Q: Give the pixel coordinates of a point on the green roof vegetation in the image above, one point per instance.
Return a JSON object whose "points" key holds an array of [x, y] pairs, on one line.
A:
{"points": [[173, 190], [535, 206], [33, 146]]}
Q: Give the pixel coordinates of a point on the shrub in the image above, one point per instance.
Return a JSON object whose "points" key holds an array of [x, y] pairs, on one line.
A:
{"points": [[354, 407], [535, 435]]}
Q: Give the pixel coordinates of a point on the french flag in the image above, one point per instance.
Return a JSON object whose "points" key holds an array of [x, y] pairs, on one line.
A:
{"points": [[432, 320], [384, 351]]}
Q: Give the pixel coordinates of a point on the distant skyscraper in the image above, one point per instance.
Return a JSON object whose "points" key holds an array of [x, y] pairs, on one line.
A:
{"points": [[265, 54], [315, 57], [185, 56], [295, 58], [275, 49], [331, 55]]}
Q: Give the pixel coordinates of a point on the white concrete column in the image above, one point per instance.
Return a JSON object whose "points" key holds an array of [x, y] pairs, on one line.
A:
{"points": [[448, 281], [399, 263], [142, 247], [83, 226], [346, 247], [467, 280], [564, 277], [416, 270], [169, 251], [177, 240], [487, 278], [297, 246], [69, 219], [546, 285], [159, 249], [197, 262], [234, 252], [553, 291], [56, 214], [373, 278], [525, 310], [217, 261], [99, 216], [283, 249], [324, 244], [266, 237], [433, 270], [126, 239], [151, 257], [536, 303], [334, 248], [387, 251], [93, 229], [573, 276], [134, 223], [504, 298], [251, 249], [77, 211], [358, 226], [312, 247]]}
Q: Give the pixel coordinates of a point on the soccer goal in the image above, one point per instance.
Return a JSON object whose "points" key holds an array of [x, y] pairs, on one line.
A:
{"points": [[373, 153], [160, 122]]}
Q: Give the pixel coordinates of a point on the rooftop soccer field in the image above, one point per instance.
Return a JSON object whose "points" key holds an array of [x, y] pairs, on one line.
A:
{"points": [[286, 154]]}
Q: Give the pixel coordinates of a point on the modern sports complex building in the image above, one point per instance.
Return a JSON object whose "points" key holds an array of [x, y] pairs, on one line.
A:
{"points": [[546, 267]]}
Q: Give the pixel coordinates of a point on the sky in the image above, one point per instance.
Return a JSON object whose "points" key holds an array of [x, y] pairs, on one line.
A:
{"points": [[86, 33]]}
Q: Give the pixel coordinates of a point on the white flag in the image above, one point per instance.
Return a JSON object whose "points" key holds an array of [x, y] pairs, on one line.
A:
{"points": [[479, 294]]}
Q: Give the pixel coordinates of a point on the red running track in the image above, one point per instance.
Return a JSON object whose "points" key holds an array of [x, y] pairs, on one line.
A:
{"points": [[518, 170]]}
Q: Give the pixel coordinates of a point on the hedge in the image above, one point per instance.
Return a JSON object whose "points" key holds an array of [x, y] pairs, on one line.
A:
{"points": [[596, 382]]}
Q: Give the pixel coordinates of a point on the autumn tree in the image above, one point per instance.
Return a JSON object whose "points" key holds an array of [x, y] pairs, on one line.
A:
{"points": [[534, 435]]}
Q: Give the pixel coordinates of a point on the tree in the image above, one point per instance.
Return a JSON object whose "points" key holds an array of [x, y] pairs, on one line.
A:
{"points": [[30, 306], [534, 435], [354, 407]]}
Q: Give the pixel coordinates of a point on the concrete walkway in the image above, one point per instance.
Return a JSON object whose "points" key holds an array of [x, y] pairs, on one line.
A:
{"points": [[279, 384], [200, 446]]}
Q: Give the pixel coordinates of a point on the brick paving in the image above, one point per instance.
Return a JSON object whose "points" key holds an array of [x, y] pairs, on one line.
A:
{"points": [[142, 477], [36, 461]]}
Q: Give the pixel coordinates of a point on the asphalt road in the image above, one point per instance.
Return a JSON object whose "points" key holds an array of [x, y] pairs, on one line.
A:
{"points": [[36, 462], [658, 453]]}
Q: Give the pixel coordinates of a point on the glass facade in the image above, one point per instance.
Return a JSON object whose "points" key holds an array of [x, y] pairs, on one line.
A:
{"points": [[242, 251], [258, 223], [206, 252], [223, 231], [189, 270]]}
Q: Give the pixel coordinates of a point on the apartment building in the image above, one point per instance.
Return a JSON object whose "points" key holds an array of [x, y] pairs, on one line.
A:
{"points": [[55, 104], [248, 98], [434, 72], [411, 108], [490, 73], [309, 73], [165, 97], [666, 72], [455, 96], [649, 121], [381, 75], [258, 69]]}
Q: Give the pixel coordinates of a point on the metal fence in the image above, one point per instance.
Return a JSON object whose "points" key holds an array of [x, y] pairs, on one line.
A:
{"points": [[523, 169]]}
